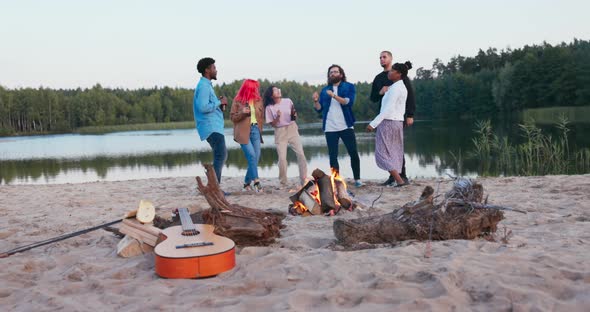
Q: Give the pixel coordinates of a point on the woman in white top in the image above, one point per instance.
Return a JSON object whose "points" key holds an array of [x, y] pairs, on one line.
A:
{"points": [[389, 138], [281, 115]]}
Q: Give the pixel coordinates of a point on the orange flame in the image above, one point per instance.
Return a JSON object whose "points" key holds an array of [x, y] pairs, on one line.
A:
{"points": [[336, 176], [333, 178], [300, 207], [316, 196]]}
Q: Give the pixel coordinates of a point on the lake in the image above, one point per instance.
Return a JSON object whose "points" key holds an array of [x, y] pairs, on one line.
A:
{"points": [[432, 149]]}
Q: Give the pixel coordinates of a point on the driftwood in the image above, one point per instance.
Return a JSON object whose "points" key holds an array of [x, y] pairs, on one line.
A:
{"points": [[245, 226], [461, 215], [325, 190]]}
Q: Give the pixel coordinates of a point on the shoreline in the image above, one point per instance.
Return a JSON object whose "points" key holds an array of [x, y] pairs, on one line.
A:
{"points": [[543, 266]]}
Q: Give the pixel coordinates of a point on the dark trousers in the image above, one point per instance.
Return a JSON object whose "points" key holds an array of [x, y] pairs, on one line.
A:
{"points": [[349, 140], [403, 173], [217, 142]]}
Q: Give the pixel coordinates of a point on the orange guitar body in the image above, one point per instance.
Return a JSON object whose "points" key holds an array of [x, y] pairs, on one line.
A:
{"points": [[194, 262]]}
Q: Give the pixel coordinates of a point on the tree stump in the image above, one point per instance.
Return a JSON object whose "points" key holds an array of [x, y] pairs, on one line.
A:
{"points": [[461, 215], [245, 226]]}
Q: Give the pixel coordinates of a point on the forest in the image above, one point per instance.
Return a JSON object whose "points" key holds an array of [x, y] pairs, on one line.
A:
{"points": [[489, 83]]}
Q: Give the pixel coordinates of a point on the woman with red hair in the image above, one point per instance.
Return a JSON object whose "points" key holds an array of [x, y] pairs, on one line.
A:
{"points": [[247, 114]]}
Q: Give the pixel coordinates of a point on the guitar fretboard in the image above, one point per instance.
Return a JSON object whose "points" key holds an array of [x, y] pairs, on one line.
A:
{"points": [[188, 228]]}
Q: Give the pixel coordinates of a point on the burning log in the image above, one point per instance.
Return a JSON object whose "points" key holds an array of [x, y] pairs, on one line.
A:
{"points": [[461, 215], [341, 192], [324, 184], [245, 226], [308, 200], [299, 209], [303, 201]]}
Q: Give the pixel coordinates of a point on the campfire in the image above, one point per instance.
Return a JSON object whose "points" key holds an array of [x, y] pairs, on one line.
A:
{"points": [[326, 194]]}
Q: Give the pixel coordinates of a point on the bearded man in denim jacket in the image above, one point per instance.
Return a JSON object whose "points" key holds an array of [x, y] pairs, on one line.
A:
{"points": [[335, 102]]}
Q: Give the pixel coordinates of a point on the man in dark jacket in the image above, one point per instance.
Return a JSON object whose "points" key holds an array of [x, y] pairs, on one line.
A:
{"points": [[381, 84]]}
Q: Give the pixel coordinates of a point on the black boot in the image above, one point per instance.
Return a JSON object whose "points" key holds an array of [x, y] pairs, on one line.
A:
{"points": [[257, 186], [390, 181]]}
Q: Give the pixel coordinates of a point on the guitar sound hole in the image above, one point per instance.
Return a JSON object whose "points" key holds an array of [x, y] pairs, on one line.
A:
{"points": [[190, 233]]}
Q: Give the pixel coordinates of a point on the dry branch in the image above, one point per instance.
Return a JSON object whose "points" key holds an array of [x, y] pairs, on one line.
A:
{"points": [[245, 226]]}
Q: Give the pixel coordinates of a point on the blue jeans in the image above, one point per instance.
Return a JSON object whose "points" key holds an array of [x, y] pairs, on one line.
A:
{"points": [[217, 142], [349, 140], [252, 153]]}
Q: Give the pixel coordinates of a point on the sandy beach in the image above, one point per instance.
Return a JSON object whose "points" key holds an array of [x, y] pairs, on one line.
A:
{"points": [[543, 267]]}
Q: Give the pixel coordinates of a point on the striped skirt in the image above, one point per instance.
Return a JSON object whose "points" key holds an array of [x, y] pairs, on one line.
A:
{"points": [[389, 145]]}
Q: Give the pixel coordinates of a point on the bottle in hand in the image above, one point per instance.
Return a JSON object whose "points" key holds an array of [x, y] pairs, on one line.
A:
{"points": [[293, 113], [223, 103]]}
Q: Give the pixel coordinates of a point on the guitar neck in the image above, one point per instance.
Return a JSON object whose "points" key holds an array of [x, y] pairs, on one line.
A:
{"points": [[188, 228]]}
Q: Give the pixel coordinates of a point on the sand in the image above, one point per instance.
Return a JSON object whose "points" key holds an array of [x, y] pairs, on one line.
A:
{"points": [[544, 265]]}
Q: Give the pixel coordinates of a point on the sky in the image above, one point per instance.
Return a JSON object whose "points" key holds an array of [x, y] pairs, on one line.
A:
{"points": [[143, 44]]}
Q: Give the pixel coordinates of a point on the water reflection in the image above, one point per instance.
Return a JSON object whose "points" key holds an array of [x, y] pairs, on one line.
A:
{"points": [[432, 149]]}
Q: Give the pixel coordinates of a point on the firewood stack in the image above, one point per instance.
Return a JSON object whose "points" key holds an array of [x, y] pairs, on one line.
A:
{"points": [[327, 194], [139, 238], [146, 233]]}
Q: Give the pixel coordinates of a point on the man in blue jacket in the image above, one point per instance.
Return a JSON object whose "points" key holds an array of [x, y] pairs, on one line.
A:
{"points": [[208, 111], [335, 102]]}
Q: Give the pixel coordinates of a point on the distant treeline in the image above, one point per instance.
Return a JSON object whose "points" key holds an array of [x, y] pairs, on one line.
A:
{"points": [[511, 80], [490, 82]]}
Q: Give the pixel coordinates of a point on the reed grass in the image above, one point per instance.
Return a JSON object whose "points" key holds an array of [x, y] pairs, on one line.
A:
{"points": [[539, 154], [582, 158], [483, 140], [548, 115]]}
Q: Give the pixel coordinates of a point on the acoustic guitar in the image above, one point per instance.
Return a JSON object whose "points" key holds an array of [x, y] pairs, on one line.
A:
{"points": [[193, 250]]}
